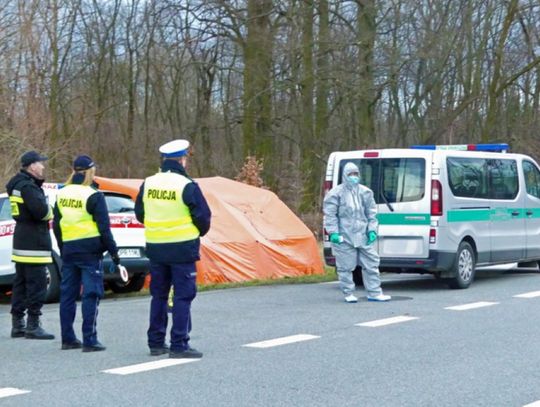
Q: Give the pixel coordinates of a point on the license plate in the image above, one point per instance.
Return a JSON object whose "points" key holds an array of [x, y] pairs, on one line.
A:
{"points": [[129, 253]]}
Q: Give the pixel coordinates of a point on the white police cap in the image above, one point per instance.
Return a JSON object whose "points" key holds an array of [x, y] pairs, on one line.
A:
{"points": [[175, 148]]}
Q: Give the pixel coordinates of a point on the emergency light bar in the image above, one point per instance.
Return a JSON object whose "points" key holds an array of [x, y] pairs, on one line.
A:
{"points": [[495, 148]]}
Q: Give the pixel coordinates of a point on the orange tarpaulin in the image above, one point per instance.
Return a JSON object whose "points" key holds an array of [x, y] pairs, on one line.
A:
{"points": [[254, 235]]}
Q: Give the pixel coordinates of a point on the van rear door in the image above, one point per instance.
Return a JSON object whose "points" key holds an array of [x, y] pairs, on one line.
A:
{"points": [[403, 200], [400, 180]]}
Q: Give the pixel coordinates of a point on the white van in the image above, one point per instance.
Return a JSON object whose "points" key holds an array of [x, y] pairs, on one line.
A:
{"points": [[447, 209], [127, 231]]}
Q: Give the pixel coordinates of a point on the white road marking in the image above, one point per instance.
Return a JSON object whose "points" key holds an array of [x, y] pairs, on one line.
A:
{"points": [[11, 391], [535, 404], [282, 341], [144, 367], [532, 294], [472, 305], [387, 321]]}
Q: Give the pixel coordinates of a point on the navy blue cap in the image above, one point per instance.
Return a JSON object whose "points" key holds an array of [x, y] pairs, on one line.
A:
{"points": [[31, 157], [83, 163]]}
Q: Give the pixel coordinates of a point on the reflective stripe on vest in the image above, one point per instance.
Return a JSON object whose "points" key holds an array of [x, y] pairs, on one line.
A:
{"points": [[15, 199], [76, 223], [166, 217], [31, 256]]}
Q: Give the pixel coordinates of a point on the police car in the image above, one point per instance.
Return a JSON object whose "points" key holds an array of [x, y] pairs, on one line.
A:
{"points": [[127, 231], [447, 210]]}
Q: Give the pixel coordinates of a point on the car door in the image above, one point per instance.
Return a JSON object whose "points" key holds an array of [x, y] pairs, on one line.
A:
{"points": [[531, 175], [7, 228]]}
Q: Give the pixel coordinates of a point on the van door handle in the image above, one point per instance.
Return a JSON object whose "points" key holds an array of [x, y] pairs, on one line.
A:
{"points": [[515, 213], [529, 213]]}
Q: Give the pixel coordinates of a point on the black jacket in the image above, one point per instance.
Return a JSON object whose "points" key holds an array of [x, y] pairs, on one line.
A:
{"points": [[91, 248], [183, 252], [31, 228]]}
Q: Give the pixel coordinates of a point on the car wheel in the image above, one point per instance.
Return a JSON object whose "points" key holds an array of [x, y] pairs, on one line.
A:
{"points": [[53, 283], [134, 284], [464, 267]]}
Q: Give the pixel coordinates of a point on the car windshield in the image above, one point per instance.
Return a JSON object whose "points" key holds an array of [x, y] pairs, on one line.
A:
{"points": [[119, 203]]}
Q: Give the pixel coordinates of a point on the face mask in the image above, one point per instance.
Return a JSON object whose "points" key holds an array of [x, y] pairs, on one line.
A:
{"points": [[354, 179]]}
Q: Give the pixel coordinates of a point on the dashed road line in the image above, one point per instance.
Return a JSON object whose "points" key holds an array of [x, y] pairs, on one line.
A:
{"points": [[281, 341], [532, 294], [11, 391], [387, 321], [472, 305], [144, 367], [535, 404]]}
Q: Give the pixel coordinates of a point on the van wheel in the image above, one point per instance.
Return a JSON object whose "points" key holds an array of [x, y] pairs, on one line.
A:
{"points": [[134, 284], [464, 267], [53, 283]]}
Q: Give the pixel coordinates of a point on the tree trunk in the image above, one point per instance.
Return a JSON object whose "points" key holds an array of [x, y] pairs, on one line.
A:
{"points": [[257, 100]]}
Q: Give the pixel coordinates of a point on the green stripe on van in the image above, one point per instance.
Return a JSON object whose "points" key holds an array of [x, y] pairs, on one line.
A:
{"points": [[535, 212], [403, 218], [468, 215], [495, 215], [459, 215]]}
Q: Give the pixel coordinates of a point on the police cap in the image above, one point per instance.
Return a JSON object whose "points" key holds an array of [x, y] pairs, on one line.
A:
{"points": [[31, 157], [175, 148], [83, 163]]}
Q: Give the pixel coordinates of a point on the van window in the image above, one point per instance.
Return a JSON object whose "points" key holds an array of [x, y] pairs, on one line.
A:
{"points": [[399, 179], [467, 177], [503, 177], [403, 179], [369, 170], [5, 209], [532, 178]]}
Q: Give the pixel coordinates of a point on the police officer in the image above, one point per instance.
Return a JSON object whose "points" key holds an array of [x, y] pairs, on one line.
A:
{"points": [[31, 246], [82, 229], [175, 214]]}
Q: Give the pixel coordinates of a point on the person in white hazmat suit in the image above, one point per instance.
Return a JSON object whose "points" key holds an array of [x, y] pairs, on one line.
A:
{"points": [[350, 220]]}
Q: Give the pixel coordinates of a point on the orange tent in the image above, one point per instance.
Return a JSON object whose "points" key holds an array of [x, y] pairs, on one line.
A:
{"points": [[254, 235]]}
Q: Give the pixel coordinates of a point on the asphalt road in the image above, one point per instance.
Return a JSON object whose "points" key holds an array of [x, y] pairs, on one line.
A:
{"points": [[484, 355]]}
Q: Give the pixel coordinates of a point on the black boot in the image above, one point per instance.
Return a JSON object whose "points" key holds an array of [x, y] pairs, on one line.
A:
{"points": [[34, 329], [17, 326]]}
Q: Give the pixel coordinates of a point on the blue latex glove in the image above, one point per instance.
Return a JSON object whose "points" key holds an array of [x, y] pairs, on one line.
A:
{"points": [[371, 237], [336, 238]]}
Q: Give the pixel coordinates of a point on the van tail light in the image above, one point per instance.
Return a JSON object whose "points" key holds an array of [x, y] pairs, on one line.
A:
{"points": [[432, 235], [326, 237], [436, 198]]}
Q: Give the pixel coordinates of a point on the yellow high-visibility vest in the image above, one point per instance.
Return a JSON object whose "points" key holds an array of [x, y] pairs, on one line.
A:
{"points": [[76, 223], [166, 217]]}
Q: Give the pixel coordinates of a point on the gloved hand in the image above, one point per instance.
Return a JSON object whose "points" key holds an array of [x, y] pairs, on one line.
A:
{"points": [[336, 238], [115, 259], [121, 270], [371, 236]]}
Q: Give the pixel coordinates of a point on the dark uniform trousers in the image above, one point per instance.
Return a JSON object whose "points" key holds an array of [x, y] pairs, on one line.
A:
{"points": [[29, 289], [182, 276], [90, 274]]}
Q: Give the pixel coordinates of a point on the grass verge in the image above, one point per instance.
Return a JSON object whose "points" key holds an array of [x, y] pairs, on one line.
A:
{"points": [[328, 275]]}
